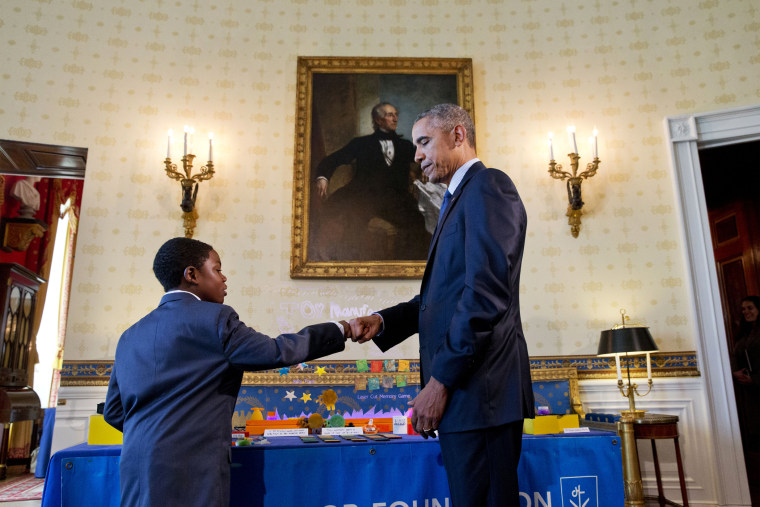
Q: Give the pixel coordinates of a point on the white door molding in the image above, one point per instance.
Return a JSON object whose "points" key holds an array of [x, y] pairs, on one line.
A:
{"points": [[686, 135]]}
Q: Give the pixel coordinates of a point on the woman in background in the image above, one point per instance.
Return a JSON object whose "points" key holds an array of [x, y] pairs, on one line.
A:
{"points": [[746, 372]]}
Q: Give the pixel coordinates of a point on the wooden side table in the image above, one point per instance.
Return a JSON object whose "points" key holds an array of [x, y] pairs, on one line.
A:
{"points": [[654, 427]]}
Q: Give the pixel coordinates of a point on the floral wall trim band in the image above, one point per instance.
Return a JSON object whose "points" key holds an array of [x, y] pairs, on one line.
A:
{"points": [[405, 371]]}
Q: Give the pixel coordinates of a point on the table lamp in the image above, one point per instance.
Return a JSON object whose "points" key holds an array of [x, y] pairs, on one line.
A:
{"points": [[628, 341]]}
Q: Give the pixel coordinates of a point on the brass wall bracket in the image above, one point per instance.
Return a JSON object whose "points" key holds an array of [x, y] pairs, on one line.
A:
{"points": [[574, 180], [189, 184], [18, 233]]}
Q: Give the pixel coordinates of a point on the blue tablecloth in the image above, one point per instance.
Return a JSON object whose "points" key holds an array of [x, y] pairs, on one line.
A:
{"points": [[46, 440], [578, 469], [83, 475]]}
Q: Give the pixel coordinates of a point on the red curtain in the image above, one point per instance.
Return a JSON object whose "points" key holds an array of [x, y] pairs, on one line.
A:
{"points": [[35, 257]]}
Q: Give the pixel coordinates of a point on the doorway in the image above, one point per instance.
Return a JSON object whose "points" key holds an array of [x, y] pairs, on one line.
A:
{"points": [[688, 136], [731, 184], [51, 331], [39, 185]]}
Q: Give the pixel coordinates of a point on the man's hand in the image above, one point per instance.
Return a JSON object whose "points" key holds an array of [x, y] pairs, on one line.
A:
{"points": [[363, 329], [322, 188], [346, 330], [428, 408]]}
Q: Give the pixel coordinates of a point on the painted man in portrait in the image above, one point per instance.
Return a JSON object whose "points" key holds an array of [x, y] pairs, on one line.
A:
{"points": [[377, 201]]}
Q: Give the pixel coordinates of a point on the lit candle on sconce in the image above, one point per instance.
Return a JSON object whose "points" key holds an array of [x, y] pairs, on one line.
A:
{"points": [[574, 176], [551, 147], [617, 365], [185, 176], [596, 144], [571, 133]]}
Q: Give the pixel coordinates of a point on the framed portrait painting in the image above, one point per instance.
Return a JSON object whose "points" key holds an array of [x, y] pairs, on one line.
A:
{"points": [[361, 206]]}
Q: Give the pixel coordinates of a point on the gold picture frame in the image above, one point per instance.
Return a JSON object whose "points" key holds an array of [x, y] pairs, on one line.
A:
{"points": [[334, 99]]}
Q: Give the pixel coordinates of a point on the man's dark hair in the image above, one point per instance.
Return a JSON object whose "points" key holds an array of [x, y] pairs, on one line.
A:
{"points": [[447, 116], [174, 256], [376, 116]]}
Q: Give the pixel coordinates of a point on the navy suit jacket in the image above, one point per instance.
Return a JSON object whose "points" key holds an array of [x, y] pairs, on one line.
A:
{"points": [[172, 392], [468, 310]]}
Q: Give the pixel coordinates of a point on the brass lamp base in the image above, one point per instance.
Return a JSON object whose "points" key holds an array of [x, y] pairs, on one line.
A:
{"points": [[633, 414], [634, 489]]}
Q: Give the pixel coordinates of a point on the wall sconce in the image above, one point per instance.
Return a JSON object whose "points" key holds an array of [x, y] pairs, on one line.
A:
{"points": [[575, 202], [631, 340], [188, 180]]}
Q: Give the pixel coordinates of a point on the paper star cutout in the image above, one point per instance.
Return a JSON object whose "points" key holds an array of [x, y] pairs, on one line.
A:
{"points": [[301, 366], [320, 370], [291, 395], [283, 371], [306, 397]]}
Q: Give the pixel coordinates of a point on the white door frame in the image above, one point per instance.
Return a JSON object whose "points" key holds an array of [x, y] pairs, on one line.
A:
{"points": [[686, 135]]}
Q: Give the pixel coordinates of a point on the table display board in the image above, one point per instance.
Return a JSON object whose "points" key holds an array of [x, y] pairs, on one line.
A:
{"points": [[574, 469]]}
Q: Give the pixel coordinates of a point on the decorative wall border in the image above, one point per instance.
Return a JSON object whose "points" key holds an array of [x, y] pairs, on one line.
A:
{"points": [[665, 364]]}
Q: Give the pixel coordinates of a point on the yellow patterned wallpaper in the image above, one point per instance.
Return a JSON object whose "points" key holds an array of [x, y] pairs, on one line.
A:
{"points": [[114, 75]]}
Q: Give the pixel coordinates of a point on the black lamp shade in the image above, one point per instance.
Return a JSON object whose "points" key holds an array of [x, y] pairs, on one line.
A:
{"points": [[626, 340]]}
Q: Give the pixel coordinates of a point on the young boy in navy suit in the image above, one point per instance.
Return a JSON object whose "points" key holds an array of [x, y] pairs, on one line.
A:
{"points": [[176, 378]]}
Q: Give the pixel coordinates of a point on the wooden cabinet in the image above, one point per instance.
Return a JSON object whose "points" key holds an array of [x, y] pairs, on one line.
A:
{"points": [[18, 401]]}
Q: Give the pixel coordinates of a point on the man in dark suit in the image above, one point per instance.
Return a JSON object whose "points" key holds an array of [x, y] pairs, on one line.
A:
{"points": [[379, 188], [177, 375], [474, 359]]}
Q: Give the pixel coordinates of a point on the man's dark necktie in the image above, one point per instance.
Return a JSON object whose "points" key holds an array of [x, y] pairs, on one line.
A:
{"points": [[446, 198]]}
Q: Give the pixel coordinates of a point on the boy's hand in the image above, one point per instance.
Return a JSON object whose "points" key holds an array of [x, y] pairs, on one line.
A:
{"points": [[346, 330]]}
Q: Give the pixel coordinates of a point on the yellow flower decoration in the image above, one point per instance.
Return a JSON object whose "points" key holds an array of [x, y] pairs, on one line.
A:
{"points": [[328, 399]]}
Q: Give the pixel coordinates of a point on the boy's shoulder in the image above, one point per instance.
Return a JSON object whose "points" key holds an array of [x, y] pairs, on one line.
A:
{"points": [[172, 312], [185, 303]]}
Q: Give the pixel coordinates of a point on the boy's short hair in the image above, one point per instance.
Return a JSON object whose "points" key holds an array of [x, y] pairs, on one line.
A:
{"points": [[174, 256]]}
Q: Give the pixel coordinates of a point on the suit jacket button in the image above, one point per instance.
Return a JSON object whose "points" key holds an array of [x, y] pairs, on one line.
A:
{"points": [[422, 307]]}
